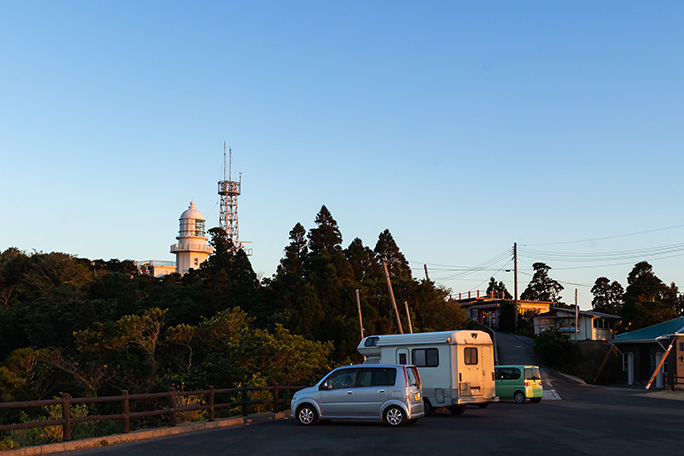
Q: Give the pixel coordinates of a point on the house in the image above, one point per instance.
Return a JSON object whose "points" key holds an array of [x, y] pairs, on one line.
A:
{"points": [[486, 308], [643, 349], [581, 325]]}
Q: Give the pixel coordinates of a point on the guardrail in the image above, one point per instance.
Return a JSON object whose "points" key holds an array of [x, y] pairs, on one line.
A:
{"points": [[66, 401]]}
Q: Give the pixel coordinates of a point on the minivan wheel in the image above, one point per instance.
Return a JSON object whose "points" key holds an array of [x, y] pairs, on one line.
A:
{"points": [[519, 397], [394, 416], [306, 415]]}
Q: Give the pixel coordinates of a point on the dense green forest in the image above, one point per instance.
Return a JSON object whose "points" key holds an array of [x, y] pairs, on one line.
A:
{"points": [[90, 328], [97, 327]]}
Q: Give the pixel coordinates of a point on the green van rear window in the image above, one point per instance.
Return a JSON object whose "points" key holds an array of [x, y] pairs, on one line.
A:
{"points": [[532, 373]]}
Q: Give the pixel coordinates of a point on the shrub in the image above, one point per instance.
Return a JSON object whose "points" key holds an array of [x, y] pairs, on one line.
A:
{"points": [[555, 350]]}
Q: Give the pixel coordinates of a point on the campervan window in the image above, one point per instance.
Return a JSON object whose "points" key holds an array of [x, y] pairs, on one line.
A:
{"points": [[402, 358], [425, 357], [371, 341], [470, 355]]}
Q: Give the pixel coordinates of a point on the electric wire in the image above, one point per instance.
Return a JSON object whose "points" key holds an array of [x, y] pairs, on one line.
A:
{"points": [[584, 257], [607, 237]]}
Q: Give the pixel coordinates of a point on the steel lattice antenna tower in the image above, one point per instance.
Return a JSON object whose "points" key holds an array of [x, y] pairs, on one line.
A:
{"points": [[229, 190]]}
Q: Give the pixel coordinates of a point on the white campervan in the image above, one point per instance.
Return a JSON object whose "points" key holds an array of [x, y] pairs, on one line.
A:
{"points": [[456, 367]]}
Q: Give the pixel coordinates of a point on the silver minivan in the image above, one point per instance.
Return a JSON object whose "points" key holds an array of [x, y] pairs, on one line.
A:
{"points": [[382, 392]]}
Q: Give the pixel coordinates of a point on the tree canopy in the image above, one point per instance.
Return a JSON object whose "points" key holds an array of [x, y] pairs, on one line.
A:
{"points": [[542, 287], [647, 300], [607, 296], [87, 327]]}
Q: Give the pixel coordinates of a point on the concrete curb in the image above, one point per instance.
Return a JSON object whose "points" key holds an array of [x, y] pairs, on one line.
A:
{"points": [[142, 435]]}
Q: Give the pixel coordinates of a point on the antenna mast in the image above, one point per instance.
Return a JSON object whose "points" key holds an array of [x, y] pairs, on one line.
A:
{"points": [[228, 191]]}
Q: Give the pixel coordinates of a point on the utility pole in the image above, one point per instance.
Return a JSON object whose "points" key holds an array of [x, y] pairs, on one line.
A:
{"points": [[391, 295], [515, 286], [576, 317], [427, 277], [408, 317], [358, 305]]}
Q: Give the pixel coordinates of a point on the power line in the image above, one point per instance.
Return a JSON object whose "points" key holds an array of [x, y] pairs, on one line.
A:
{"points": [[606, 257], [607, 237], [462, 271]]}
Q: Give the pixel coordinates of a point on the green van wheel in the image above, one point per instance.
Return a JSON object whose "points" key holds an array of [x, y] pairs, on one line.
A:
{"points": [[519, 397]]}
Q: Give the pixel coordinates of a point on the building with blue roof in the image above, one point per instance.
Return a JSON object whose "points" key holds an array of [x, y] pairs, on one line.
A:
{"points": [[643, 349]]}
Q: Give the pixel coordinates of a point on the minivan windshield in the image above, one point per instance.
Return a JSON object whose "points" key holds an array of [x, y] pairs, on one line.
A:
{"points": [[532, 373]]}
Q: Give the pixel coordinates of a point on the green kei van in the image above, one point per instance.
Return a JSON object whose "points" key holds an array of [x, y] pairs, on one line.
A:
{"points": [[518, 382]]}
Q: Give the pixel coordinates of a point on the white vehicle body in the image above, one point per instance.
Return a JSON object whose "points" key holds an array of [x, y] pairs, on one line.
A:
{"points": [[456, 367]]}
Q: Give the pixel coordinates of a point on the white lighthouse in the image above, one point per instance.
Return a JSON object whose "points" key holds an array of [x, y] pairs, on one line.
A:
{"points": [[191, 249]]}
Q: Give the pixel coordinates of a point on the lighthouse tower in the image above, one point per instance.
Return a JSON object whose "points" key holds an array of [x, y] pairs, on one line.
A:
{"points": [[191, 249]]}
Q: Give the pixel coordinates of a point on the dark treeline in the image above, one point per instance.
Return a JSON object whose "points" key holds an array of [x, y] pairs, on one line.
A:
{"points": [[646, 301], [97, 327]]}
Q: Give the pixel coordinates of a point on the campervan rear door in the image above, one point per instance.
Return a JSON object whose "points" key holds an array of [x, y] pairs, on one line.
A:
{"points": [[470, 375]]}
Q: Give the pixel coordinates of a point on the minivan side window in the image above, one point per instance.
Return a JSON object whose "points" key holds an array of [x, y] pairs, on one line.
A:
{"points": [[425, 357], [377, 376], [507, 373], [345, 378], [470, 355]]}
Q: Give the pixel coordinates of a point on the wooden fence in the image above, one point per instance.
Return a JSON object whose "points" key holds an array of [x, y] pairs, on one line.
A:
{"points": [[66, 401]]}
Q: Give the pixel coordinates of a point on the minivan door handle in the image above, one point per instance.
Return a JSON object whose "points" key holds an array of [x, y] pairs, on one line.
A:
{"points": [[381, 391], [348, 392]]}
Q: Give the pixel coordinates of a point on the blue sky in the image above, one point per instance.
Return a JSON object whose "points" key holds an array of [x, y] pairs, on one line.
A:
{"points": [[462, 127]]}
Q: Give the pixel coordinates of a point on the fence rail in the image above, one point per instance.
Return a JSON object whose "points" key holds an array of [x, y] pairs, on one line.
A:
{"points": [[66, 401], [674, 382]]}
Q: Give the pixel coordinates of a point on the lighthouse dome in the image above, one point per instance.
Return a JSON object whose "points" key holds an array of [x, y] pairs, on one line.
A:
{"points": [[191, 213]]}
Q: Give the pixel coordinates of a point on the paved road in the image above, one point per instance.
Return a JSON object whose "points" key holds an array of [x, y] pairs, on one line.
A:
{"points": [[515, 349], [588, 421]]}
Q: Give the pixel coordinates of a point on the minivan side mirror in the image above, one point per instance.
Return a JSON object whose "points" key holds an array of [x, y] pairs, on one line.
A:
{"points": [[325, 386]]}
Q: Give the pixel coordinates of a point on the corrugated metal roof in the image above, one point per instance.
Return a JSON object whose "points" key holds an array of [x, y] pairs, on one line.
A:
{"points": [[650, 333]]}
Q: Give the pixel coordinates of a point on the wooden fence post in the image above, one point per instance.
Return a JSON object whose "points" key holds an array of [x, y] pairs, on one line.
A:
{"points": [[126, 412], [66, 416], [244, 400], [211, 402], [275, 398], [173, 406]]}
